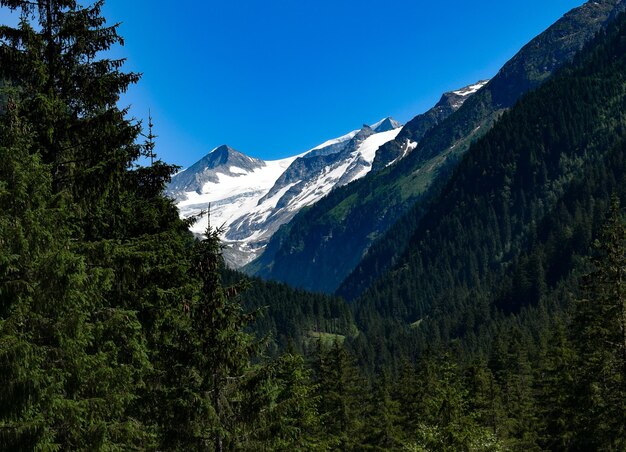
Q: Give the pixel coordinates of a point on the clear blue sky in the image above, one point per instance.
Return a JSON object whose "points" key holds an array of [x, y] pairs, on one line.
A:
{"points": [[274, 78]]}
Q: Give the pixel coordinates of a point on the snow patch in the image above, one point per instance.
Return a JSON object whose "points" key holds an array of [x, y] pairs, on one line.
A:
{"points": [[232, 196], [369, 147], [237, 170], [341, 139], [408, 147], [471, 89]]}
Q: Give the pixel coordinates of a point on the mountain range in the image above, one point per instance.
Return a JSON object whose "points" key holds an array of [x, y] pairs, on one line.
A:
{"points": [[360, 196], [357, 221], [251, 198]]}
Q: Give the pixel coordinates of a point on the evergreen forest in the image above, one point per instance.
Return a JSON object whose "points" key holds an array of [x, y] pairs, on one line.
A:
{"points": [[500, 325]]}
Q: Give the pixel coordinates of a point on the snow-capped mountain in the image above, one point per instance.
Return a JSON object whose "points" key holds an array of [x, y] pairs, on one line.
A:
{"points": [[221, 162], [252, 198]]}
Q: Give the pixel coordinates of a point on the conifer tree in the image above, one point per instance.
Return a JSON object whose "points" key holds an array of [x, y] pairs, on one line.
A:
{"points": [[484, 397], [105, 287], [514, 374], [599, 337], [379, 429], [446, 421], [342, 397], [409, 394], [67, 361], [71, 93], [556, 373], [224, 349], [287, 404]]}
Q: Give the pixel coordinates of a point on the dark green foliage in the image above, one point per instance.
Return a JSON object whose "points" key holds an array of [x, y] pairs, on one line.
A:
{"points": [[523, 204], [115, 329], [379, 429], [514, 376], [487, 280], [289, 417], [71, 344], [490, 272], [118, 331], [554, 380], [291, 317], [599, 340], [342, 397], [446, 420], [221, 351]]}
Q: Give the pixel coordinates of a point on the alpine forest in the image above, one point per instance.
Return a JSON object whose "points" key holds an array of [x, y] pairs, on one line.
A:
{"points": [[459, 284]]}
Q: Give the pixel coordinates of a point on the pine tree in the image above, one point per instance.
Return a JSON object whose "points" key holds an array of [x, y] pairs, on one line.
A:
{"points": [[224, 349], [599, 337], [287, 404], [106, 273], [342, 397]]}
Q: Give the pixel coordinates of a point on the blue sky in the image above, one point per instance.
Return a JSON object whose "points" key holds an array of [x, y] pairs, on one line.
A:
{"points": [[274, 78]]}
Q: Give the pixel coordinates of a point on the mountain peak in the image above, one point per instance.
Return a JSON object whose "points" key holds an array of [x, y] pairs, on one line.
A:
{"points": [[221, 149], [223, 155], [222, 160], [456, 98], [385, 125]]}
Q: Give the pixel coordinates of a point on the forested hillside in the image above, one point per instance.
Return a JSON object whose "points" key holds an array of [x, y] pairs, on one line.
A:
{"points": [[494, 273], [502, 325], [525, 200], [292, 318], [350, 219]]}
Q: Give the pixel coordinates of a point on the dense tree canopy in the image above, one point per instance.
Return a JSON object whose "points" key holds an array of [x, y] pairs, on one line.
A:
{"points": [[502, 327]]}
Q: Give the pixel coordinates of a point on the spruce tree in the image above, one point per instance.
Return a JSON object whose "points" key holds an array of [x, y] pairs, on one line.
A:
{"points": [[380, 420], [223, 350], [67, 362], [446, 420], [284, 408], [555, 376], [599, 337], [98, 308], [342, 397]]}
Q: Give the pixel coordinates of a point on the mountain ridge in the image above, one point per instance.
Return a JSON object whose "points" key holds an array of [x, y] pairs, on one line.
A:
{"points": [[251, 197], [206, 169], [506, 234], [359, 214]]}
